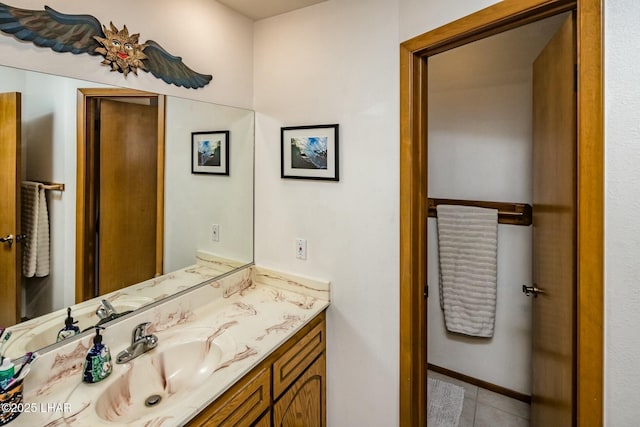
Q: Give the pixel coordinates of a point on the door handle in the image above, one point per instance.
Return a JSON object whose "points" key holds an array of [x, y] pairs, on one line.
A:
{"points": [[7, 239], [532, 290]]}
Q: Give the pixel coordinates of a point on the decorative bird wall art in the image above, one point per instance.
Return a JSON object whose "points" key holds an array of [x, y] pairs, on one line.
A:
{"points": [[85, 34]]}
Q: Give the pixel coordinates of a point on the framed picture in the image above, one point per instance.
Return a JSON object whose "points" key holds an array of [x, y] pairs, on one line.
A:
{"points": [[309, 152], [210, 152]]}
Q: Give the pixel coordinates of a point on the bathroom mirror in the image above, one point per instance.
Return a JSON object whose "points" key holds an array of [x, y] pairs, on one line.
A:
{"points": [[193, 203]]}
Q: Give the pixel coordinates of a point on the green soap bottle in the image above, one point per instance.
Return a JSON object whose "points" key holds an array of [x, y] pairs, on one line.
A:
{"points": [[97, 364]]}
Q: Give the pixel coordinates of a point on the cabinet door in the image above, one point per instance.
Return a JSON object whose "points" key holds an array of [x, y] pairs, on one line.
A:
{"points": [[304, 405], [241, 406]]}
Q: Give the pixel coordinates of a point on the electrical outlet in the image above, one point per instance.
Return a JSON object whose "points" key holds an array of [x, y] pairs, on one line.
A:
{"points": [[301, 249], [215, 232]]}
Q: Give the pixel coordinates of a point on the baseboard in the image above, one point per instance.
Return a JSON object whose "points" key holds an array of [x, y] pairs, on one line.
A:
{"points": [[480, 383]]}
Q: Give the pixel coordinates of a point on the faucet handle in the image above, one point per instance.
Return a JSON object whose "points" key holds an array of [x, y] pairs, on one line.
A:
{"points": [[139, 331]]}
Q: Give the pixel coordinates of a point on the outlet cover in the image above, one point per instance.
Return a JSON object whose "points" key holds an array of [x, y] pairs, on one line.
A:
{"points": [[215, 232], [301, 249]]}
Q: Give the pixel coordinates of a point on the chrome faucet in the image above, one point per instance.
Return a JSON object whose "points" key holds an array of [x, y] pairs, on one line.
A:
{"points": [[141, 342], [106, 313], [105, 310]]}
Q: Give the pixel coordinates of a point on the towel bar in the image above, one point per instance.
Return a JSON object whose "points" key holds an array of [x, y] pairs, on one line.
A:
{"points": [[52, 186], [508, 213]]}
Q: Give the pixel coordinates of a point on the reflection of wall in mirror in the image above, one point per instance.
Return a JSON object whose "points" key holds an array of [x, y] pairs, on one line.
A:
{"points": [[194, 202]]}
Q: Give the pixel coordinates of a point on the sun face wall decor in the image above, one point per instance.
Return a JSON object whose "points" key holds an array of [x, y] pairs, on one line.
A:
{"points": [[79, 34], [121, 51]]}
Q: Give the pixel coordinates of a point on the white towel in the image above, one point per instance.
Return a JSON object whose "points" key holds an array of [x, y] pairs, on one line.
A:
{"points": [[468, 246], [35, 224]]}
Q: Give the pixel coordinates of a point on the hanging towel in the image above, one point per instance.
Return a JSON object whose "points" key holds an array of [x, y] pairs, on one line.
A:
{"points": [[468, 243], [35, 224]]}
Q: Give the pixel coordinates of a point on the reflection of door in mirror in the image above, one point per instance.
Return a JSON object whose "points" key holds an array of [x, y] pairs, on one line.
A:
{"points": [[10, 249], [120, 216]]}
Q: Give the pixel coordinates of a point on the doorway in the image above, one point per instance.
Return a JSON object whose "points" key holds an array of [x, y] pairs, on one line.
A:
{"points": [[120, 194], [413, 201], [480, 152]]}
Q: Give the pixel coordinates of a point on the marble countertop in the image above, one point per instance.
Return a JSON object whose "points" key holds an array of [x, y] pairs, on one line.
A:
{"points": [[245, 316]]}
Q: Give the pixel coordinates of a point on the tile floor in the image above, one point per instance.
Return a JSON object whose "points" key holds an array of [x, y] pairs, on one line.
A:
{"points": [[485, 408]]}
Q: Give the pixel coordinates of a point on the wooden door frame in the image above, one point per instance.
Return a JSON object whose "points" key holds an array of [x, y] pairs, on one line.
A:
{"points": [[84, 289], [495, 19]]}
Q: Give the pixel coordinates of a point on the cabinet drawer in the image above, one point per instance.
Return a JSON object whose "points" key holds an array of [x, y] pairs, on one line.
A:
{"points": [[239, 407], [293, 362]]}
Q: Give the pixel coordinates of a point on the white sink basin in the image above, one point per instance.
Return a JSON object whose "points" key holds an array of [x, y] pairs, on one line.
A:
{"points": [[153, 382]]}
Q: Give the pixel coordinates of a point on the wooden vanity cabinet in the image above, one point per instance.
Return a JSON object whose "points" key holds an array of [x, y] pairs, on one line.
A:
{"points": [[287, 389]]}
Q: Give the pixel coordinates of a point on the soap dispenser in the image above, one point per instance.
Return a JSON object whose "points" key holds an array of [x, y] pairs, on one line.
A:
{"points": [[97, 364], [70, 328]]}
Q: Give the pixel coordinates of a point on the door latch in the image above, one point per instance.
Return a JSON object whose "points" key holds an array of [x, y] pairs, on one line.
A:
{"points": [[531, 290], [7, 239]]}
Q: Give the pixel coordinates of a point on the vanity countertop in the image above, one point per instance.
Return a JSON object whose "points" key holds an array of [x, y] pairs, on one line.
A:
{"points": [[247, 315]]}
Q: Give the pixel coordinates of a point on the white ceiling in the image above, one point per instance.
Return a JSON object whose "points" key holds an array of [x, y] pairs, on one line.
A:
{"points": [[260, 9]]}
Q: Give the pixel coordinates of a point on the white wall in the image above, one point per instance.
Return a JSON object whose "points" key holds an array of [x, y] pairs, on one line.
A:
{"points": [[622, 202], [420, 16], [223, 200], [337, 62]]}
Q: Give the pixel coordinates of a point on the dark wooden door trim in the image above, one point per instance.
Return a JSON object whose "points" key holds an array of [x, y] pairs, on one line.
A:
{"points": [[84, 287], [413, 194]]}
